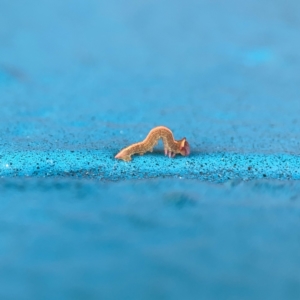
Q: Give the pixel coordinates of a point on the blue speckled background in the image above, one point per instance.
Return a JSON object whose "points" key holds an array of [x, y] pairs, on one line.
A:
{"points": [[79, 80]]}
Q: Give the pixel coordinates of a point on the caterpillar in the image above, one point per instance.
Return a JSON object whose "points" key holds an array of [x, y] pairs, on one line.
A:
{"points": [[171, 146]]}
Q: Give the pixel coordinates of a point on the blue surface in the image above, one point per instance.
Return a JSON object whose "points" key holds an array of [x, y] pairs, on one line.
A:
{"points": [[100, 164], [80, 80], [169, 239]]}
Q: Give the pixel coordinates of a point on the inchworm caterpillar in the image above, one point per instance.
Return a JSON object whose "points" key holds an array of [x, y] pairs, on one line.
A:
{"points": [[171, 146]]}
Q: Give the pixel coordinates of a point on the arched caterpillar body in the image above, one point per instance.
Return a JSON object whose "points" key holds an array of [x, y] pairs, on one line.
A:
{"points": [[171, 146]]}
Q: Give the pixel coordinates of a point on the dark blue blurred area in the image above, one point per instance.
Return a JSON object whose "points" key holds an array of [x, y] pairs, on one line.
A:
{"points": [[79, 80], [154, 239]]}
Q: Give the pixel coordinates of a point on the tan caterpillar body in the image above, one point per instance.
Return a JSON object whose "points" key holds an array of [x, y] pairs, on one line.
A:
{"points": [[171, 146]]}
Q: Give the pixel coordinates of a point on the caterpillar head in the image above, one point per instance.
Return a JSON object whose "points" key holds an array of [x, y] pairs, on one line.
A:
{"points": [[184, 147]]}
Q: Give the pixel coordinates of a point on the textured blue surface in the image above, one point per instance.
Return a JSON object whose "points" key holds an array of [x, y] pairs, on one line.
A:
{"points": [[154, 239], [79, 80], [100, 164]]}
